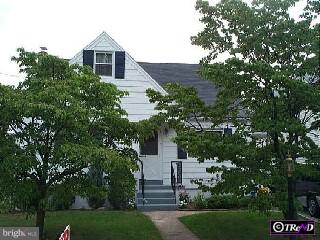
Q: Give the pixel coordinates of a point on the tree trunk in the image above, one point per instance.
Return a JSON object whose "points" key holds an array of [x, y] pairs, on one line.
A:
{"points": [[40, 221], [291, 215], [291, 208]]}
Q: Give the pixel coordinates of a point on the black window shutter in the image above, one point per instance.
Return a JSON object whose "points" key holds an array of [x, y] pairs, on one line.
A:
{"points": [[119, 64], [182, 154], [227, 131], [88, 57]]}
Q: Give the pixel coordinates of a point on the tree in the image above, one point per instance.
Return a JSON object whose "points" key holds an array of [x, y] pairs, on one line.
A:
{"points": [[263, 87], [54, 126]]}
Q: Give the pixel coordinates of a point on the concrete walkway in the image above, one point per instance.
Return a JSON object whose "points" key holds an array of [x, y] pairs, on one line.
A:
{"points": [[170, 227]]}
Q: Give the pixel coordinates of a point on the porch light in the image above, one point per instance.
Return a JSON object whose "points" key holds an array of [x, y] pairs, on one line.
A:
{"points": [[290, 164]]}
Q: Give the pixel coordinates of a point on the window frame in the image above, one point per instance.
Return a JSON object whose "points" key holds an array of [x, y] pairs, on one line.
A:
{"points": [[142, 146], [227, 131], [112, 63], [216, 130], [178, 156]]}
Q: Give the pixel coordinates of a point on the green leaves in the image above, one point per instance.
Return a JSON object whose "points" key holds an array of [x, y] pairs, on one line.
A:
{"points": [[264, 86], [56, 124]]}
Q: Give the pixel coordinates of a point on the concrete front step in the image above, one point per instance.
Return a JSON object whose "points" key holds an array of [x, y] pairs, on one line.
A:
{"points": [[156, 195], [157, 191], [152, 182], [156, 201], [156, 187], [158, 207]]}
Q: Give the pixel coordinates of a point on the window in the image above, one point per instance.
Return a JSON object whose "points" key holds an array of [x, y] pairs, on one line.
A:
{"points": [[227, 131], [182, 154], [150, 146], [216, 131], [103, 64]]}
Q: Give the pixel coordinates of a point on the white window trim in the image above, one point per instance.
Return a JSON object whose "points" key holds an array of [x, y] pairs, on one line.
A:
{"points": [[113, 63], [217, 130]]}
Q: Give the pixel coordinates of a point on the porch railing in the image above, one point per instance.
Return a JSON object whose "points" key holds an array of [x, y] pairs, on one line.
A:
{"points": [[142, 181], [173, 182]]}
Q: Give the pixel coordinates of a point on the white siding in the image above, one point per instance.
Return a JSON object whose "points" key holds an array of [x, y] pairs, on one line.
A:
{"points": [[191, 168], [138, 107], [315, 136], [136, 81]]}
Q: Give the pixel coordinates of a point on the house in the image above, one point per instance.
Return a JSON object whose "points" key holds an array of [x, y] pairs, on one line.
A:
{"points": [[162, 159]]}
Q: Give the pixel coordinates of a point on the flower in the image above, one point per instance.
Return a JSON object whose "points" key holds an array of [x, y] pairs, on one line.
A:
{"points": [[184, 199], [263, 189]]}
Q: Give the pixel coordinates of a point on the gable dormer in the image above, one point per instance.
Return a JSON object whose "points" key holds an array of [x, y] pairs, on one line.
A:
{"points": [[104, 56], [109, 60]]}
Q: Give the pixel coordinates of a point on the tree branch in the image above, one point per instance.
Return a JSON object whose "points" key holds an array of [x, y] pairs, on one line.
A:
{"points": [[65, 173], [196, 118]]}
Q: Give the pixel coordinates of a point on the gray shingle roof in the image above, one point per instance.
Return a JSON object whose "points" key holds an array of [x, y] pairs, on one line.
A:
{"points": [[184, 74]]}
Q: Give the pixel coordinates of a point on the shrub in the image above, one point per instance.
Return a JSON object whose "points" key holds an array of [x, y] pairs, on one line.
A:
{"points": [[227, 202], [59, 199], [262, 202], [56, 202], [96, 201], [184, 199], [121, 187], [220, 202], [215, 202], [6, 204], [199, 202], [244, 202], [231, 201], [97, 196]]}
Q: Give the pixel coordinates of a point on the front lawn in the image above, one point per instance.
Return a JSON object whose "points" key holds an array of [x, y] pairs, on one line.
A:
{"points": [[92, 225], [240, 225]]}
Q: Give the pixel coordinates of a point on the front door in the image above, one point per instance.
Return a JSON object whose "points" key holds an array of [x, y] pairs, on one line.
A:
{"points": [[150, 154]]}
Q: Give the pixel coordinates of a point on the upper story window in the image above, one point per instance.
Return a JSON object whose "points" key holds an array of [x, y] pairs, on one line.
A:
{"points": [[103, 63]]}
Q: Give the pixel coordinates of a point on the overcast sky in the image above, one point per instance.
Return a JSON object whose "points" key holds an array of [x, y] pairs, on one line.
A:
{"points": [[150, 30]]}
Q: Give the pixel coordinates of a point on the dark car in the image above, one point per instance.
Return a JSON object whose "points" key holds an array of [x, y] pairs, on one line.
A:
{"points": [[308, 193]]}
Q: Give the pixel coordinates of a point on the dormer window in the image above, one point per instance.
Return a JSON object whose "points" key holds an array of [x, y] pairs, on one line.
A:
{"points": [[106, 63], [103, 63]]}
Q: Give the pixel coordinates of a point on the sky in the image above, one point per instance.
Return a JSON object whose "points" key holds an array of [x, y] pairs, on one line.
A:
{"points": [[149, 30]]}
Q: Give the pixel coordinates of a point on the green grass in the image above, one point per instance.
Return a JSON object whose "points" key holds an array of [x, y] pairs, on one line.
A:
{"points": [[87, 225], [240, 225]]}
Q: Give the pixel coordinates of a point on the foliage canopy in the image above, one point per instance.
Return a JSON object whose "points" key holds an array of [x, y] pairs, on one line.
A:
{"points": [[266, 86], [55, 125]]}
